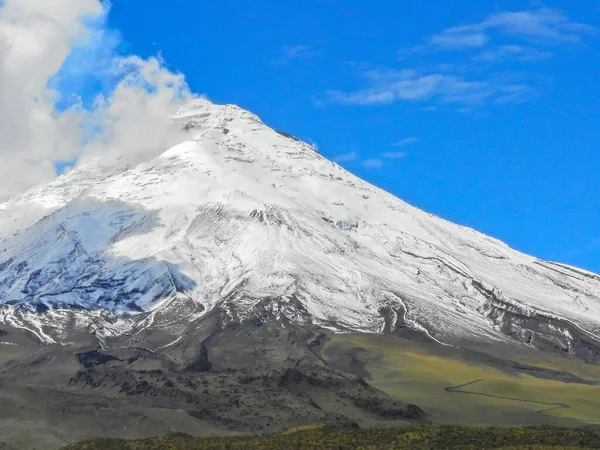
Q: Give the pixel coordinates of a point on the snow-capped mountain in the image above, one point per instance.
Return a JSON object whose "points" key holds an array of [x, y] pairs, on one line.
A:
{"points": [[241, 218]]}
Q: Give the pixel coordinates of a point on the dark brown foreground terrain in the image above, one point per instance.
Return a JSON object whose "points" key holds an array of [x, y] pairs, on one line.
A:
{"points": [[410, 437]]}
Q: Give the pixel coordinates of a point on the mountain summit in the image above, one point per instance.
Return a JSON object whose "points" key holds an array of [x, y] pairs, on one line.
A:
{"points": [[242, 218]]}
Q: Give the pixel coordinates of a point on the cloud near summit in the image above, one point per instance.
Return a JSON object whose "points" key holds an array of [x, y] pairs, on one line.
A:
{"points": [[37, 38]]}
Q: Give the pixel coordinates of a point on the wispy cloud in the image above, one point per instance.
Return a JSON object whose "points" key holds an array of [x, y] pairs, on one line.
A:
{"points": [[549, 26], [296, 53], [515, 93], [405, 142], [459, 38], [480, 78], [372, 163], [411, 85], [346, 157], [542, 26], [512, 52], [402, 143], [394, 155]]}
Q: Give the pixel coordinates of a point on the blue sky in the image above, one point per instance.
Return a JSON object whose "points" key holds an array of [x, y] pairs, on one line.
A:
{"points": [[482, 112]]}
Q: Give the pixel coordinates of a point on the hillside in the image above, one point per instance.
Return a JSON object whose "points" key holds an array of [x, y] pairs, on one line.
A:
{"points": [[413, 438]]}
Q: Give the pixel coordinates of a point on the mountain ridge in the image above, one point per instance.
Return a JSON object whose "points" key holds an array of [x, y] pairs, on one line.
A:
{"points": [[238, 214]]}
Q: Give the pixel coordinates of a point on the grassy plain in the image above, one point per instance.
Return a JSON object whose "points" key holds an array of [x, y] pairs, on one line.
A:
{"points": [[420, 373]]}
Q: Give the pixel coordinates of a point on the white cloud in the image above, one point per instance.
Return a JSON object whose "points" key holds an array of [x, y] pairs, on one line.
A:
{"points": [[295, 53], [314, 145], [459, 38], [410, 85], [298, 51], [134, 122], [394, 155], [515, 93], [471, 83], [496, 35], [443, 88], [543, 26], [346, 157], [368, 163], [372, 163], [514, 53], [406, 141], [36, 38], [400, 144]]}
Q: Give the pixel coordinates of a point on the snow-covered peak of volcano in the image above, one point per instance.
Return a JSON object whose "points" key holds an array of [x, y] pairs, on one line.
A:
{"points": [[240, 216]]}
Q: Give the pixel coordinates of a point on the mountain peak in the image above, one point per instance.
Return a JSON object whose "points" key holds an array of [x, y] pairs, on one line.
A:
{"points": [[202, 112], [239, 217]]}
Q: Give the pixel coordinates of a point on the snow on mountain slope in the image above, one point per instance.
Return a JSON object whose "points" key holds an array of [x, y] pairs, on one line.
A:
{"points": [[241, 216]]}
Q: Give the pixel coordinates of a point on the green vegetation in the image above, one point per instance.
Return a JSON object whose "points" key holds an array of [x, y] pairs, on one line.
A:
{"points": [[411, 437], [424, 374]]}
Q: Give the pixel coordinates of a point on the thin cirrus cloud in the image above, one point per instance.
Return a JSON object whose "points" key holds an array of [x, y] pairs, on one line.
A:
{"points": [[406, 141], [512, 53], [480, 78], [389, 86], [400, 154], [394, 155], [372, 163], [296, 53], [542, 26], [354, 158], [376, 162], [346, 157], [459, 38]]}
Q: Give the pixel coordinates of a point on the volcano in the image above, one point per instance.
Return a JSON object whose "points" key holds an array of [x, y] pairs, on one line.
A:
{"points": [[241, 282]]}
